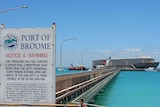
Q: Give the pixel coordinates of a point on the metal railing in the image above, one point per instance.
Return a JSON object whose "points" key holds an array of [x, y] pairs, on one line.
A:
{"points": [[89, 94], [63, 93]]}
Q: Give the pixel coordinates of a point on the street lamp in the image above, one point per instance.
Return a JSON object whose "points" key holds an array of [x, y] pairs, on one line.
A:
{"points": [[82, 54], [61, 52], [16, 8]]}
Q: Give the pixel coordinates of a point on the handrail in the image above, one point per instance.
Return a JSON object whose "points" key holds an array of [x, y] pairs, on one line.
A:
{"points": [[81, 84], [70, 90], [72, 87], [89, 94]]}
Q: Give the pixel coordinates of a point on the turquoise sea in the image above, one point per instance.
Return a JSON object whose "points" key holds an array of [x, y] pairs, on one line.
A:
{"points": [[131, 89]]}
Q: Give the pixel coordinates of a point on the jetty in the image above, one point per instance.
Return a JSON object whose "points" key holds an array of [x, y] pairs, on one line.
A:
{"points": [[71, 88]]}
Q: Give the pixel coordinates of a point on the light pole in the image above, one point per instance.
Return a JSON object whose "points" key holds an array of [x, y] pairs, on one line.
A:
{"points": [[16, 8], [82, 54], [61, 52]]}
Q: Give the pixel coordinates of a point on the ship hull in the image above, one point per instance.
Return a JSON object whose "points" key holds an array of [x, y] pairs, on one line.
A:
{"points": [[74, 68], [146, 65]]}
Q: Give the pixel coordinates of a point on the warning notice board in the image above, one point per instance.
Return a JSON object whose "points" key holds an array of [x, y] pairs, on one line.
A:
{"points": [[27, 65]]}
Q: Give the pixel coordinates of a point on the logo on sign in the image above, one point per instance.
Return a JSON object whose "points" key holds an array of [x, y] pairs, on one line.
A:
{"points": [[10, 42]]}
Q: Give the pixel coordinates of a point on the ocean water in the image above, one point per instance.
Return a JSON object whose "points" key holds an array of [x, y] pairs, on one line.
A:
{"points": [[131, 89]]}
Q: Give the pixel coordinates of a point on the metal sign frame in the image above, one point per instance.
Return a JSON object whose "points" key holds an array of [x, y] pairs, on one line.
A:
{"points": [[27, 65]]}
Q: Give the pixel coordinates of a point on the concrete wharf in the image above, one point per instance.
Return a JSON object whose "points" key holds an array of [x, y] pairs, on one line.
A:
{"points": [[85, 85]]}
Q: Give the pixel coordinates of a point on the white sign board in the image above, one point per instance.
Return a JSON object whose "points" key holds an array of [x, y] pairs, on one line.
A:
{"points": [[27, 65]]}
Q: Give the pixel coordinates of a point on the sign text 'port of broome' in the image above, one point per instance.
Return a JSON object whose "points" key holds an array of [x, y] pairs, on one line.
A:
{"points": [[27, 65]]}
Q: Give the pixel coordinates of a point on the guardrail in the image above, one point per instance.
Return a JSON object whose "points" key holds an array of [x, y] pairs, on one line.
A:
{"points": [[89, 94], [66, 92]]}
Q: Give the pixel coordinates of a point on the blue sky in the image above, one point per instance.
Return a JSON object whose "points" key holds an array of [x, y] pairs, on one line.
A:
{"points": [[116, 28]]}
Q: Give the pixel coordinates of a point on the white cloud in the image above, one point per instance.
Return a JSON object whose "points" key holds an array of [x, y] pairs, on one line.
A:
{"points": [[104, 51], [128, 53], [132, 50], [156, 53]]}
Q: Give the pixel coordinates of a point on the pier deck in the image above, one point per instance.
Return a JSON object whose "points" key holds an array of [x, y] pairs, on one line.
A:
{"points": [[79, 84]]}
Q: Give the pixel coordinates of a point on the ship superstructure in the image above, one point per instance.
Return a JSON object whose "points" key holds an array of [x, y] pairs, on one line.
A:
{"points": [[140, 63]]}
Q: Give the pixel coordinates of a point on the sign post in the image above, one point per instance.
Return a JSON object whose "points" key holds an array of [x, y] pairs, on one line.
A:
{"points": [[27, 65]]}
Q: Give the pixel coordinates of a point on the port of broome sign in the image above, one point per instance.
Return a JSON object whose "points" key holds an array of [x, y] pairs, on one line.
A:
{"points": [[27, 65]]}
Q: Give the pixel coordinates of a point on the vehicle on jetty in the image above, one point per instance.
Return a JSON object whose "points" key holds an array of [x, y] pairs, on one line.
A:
{"points": [[78, 67]]}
